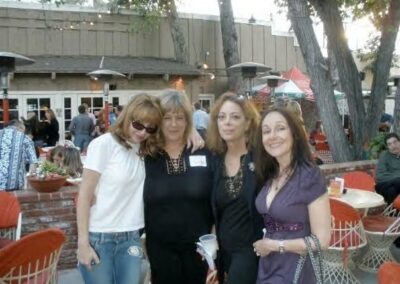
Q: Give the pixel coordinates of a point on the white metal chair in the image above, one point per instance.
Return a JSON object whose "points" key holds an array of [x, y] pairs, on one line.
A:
{"points": [[32, 259], [347, 237], [381, 232], [10, 216]]}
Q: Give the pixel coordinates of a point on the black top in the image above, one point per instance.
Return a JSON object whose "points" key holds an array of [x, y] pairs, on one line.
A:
{"points": [[52, 132], [236, 218], [235, 229], [177, 206]]}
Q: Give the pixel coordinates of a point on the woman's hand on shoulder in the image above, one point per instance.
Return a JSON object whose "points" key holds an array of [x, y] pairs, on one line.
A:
{"points": [[195, 141]]}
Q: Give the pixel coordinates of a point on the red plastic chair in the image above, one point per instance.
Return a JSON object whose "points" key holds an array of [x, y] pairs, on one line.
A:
{"points": [[32, 259], [359, 180], [389, 273], [10, 216], [321, 146], [347, 237]]}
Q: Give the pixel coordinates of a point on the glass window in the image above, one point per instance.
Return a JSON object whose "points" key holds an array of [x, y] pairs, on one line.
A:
{"points": [[67, 117], [95, 104], [13, 112], [38, 106], [115, 101]]}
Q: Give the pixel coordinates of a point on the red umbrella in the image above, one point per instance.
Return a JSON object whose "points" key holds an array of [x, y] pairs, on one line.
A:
{"points": [[301, 80]]}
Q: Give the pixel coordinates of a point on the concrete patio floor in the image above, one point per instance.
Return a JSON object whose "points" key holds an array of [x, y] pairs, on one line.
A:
{"points": [[73, 277]]}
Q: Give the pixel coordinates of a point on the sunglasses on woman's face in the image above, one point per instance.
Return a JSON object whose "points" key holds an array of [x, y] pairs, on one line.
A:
{"points": [[139, 126]]}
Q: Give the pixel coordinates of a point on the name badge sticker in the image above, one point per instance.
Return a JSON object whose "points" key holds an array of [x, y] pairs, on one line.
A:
{"points": [[198, 161]]}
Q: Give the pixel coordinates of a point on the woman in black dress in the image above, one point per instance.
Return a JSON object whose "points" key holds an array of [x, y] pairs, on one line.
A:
{"points": [[177, 193]]}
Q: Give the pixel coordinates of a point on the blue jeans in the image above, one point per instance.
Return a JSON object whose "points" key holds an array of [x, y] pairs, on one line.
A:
{"points": [[120, 256]]}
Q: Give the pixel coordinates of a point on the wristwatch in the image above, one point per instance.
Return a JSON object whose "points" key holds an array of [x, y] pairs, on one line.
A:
{"points": [[281, 246]]}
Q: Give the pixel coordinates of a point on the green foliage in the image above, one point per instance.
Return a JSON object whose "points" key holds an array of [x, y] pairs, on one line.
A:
{"points": [[376, 146], [374, 9], [47, 167]]}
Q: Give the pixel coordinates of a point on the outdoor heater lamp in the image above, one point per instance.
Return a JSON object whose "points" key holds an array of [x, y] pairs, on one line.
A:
{"points": [[105, 75], [249, 71], [273, 81], [8, 62]]}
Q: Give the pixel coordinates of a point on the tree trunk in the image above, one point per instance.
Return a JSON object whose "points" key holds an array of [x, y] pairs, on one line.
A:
{"points": [[229, 44], [178, 38], [382, 65], [320, 79], [333, 69], [348, 73], [396, 122]]}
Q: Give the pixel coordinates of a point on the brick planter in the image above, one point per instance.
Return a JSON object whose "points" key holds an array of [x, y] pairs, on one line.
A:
{"points": [[56, 209]]}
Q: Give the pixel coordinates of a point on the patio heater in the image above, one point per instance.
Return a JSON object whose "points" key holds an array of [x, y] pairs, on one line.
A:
{"points": [[105, 76], [8, 62], [273, 81], [249, 71]]}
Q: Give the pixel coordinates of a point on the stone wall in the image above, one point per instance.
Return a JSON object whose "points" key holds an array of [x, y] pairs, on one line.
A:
{"points": [[43, 210]]}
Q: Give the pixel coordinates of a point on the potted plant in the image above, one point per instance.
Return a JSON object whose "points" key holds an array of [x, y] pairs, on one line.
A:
{"points": [[47, 178]]}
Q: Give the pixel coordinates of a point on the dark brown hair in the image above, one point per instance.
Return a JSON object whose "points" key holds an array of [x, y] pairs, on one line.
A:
{"points": [[267, 166]]}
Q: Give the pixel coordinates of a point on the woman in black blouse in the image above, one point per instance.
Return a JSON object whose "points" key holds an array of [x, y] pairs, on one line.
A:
{"points": [[232, 129], [51, 128], [177, 194]]}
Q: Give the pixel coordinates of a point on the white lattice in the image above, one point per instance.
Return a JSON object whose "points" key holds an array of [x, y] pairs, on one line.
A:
{"points": [[379, 247]]}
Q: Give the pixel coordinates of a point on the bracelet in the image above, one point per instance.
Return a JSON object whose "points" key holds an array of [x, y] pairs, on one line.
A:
{"points": [[281, 246]]}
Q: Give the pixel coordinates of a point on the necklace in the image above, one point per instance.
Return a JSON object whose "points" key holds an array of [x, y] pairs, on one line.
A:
{"points": [[233, 184], [278, 184], [175, 166]]}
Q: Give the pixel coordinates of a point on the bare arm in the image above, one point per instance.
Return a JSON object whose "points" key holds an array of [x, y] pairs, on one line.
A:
{"points": [[320, 222], [86, 254], [195, 140]]}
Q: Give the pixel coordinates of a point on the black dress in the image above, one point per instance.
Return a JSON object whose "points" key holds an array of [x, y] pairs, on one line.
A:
{"points": [[177, 210]]}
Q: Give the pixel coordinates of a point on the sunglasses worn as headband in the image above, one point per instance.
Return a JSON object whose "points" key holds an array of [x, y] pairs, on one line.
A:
{"points": [[139, 126]]}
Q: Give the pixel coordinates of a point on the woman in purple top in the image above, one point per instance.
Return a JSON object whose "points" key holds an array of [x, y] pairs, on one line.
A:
{"points": [[293, 202]]}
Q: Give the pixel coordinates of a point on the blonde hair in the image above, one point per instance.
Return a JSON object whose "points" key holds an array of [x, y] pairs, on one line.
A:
{"points": [[143, 108], [174, 101], [72, 162], [214, 141], [295, 108]]}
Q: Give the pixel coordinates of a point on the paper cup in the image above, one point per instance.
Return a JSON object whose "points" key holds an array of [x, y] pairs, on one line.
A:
{"points": [[210, 244]]}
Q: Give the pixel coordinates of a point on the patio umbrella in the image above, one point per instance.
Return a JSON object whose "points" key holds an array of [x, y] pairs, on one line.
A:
{"points": [[289, 90]]}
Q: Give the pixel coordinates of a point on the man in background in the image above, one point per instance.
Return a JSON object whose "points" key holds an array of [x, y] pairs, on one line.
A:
{"points": [[388, 169], [81, 127], [200, 120], [16, 150]]}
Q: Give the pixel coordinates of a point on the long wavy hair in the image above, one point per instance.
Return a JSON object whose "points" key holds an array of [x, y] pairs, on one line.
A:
{"points": [[143, 108], [214, 141], [267, 166]]}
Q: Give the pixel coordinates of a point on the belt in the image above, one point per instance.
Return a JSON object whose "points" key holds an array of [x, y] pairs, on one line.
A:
{"points": [[272, 226]]}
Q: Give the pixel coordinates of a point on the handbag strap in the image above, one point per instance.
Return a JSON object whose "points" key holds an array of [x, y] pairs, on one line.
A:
{"points": [[315, 257]]}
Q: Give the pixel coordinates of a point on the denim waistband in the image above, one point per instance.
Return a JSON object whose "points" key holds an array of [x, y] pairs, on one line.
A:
{"points": [[115, 236]]}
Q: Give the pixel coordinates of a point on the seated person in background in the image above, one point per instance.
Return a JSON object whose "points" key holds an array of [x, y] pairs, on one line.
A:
{"points": [[57, 155], [72, 162], [316, 131], [388, 169]]}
